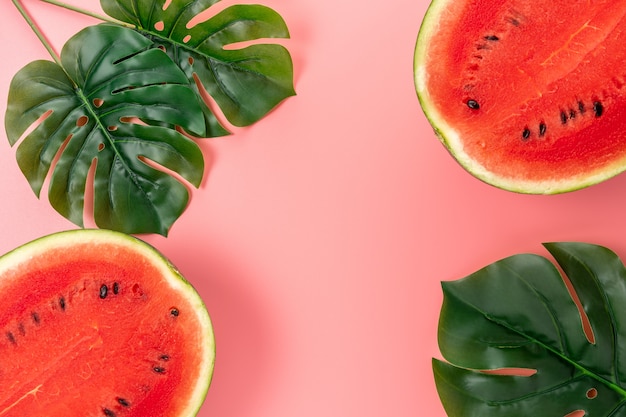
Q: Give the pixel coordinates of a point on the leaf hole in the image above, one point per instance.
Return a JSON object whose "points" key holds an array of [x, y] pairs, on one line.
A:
{"points": [[162, 168], [121, 90], [53, 158], [89, 203], [101, 147], [98, 102], [162, 47], [525, 372], [191, 60], [133, 120], [586, 324], [167, 4], [160, 25], [592, 393], [82, 121], [210, 101], [244, 44], [207, 14], [577, 413], [33, 126], [112, 128], [186, 39]]}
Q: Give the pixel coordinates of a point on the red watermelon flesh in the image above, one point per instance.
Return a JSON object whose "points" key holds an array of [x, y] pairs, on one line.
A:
{"points": [[527, 95], [98, 324]]}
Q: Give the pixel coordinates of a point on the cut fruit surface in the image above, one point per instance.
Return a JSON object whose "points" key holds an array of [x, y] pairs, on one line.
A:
{"points": [[97, 323], [528, 96]]}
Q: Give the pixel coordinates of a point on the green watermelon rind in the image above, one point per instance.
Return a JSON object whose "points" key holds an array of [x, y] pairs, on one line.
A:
{"points": [[20, 255], [454, 144]]}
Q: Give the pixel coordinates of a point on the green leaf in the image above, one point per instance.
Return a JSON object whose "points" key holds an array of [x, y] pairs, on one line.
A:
{"points": [[518, 317], [113, 103], [245, 82]]}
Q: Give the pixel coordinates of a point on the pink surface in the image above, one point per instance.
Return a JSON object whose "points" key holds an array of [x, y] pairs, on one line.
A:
{"points": [[320, 235]]}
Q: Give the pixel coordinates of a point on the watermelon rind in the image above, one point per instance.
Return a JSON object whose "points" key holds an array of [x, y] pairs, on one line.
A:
{"points": [[453, 142], [22, 254]]}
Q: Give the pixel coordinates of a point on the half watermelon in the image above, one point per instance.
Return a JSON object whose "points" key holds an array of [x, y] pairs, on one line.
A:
{"points": [[528, 96], [97, 323]]}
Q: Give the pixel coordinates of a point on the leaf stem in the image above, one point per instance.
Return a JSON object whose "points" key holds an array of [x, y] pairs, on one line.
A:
{"points": [[40, 35], [86, 12]]}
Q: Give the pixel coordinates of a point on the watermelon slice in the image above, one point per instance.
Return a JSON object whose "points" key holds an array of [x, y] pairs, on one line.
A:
{"points": [[96, 323], [528, 96]]}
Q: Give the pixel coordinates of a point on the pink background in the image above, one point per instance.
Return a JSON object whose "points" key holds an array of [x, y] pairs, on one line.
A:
{"points": [[319, 235]]}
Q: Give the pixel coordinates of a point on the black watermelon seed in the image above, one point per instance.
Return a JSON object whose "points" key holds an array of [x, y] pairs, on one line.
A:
{"points": [[108, 412], [103, 291], [581, 107], [492, 38], [473, 104], [11, 338], [572, 114], [542, 129], [62, 303], [165, 357], [526, 133], [123, 402], [514, 21], [35, 317], [174, 312], [598, 108], [116, 288], [158, 370], [563, 117]]}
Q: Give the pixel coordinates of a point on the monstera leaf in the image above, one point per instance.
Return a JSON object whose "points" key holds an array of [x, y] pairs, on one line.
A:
{"points": [[112, 102], [247, 81], [517, 344]]}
